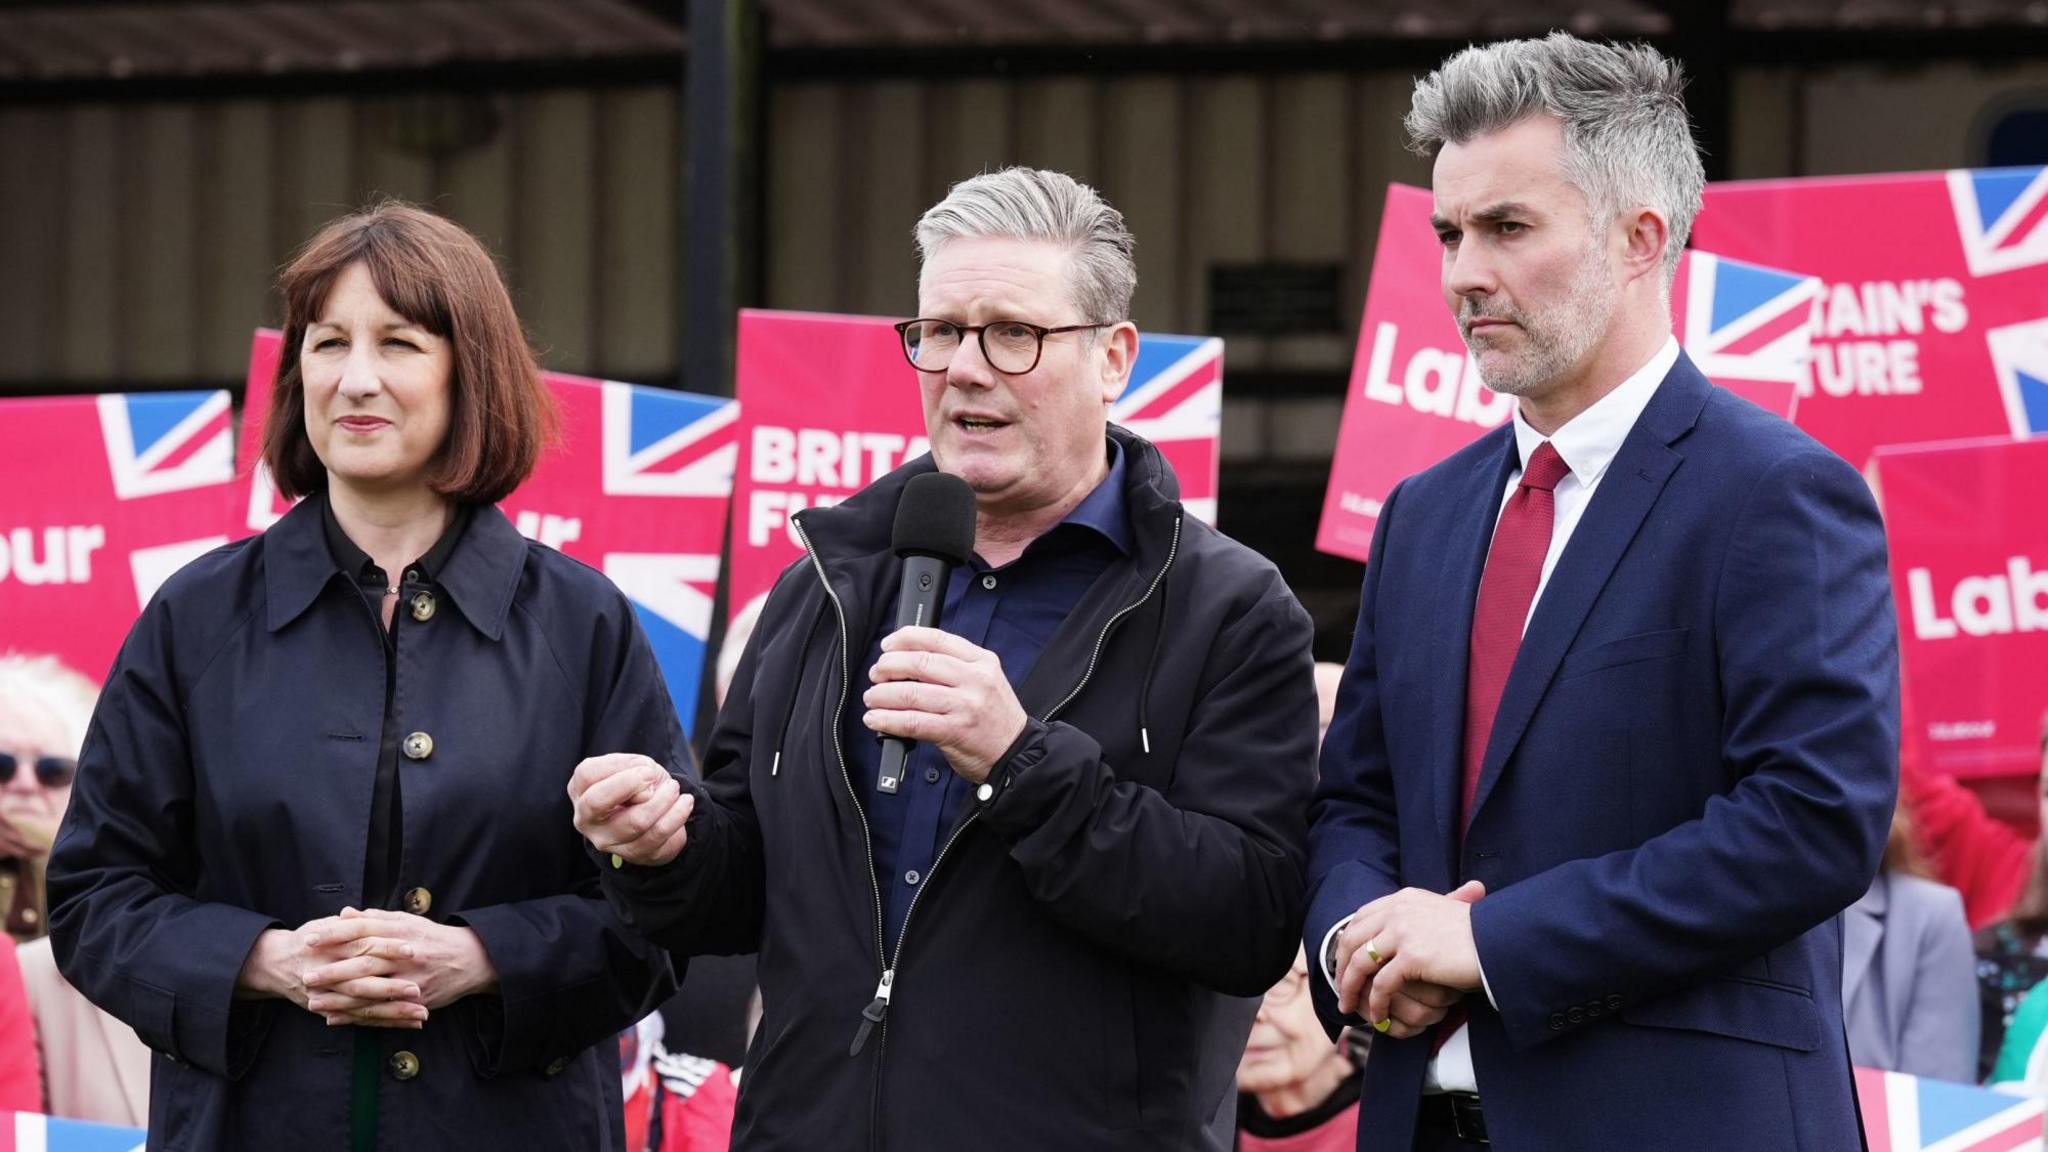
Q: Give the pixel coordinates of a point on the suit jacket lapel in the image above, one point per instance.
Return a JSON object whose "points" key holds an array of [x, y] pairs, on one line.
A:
{"points": [[1468, 532], [1626, 494]]}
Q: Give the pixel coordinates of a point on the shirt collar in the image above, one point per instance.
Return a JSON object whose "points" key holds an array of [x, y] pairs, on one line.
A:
{"points": [[481, 571], [1103, 509], [357, 564], [1590, 441]]}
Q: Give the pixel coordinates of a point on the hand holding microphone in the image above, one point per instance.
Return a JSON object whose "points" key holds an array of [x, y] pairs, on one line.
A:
{"points": [[931, 685]]}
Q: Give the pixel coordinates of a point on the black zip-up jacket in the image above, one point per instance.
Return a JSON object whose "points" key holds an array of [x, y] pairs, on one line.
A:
{"points": [[1072, 972]]}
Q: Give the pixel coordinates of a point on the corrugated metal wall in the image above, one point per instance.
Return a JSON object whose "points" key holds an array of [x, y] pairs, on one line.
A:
{"points": [[1207, 170], [1213, 169], [139, 241]]}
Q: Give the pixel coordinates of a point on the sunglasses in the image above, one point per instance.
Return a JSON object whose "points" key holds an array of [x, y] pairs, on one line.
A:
{"points": [[51, 771]]}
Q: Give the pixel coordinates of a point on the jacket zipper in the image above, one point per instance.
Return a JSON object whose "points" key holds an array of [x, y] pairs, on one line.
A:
{"points": [[839, 749], [876, 1014]]}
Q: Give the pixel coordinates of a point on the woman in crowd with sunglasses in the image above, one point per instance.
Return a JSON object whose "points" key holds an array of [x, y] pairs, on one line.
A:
{"points": [[93, 1067], [320, 851], [44, 707]]}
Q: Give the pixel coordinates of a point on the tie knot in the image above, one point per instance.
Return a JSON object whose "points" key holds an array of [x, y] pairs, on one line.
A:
{"points": [[1544, 469]]}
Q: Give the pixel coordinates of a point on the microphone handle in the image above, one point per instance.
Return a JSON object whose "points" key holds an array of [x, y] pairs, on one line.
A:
{"points": [[918, 600]]}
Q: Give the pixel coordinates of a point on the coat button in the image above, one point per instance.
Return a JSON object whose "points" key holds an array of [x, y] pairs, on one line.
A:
{"points": [[1614, 1003], [989, 582], [418, 901], [412, 575], [1557, 1022], [423, 606], [556, 1065], [931, 775], [985, 793], [405, 1065], [1576, 1016], [419, 746]]}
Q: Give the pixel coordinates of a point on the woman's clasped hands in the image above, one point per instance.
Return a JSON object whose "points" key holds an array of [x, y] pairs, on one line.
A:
{"points": [[374, 968]]}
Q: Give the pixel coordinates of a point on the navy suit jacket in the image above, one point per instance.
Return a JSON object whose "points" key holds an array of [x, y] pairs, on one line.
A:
{"points": [[1691, 774]]}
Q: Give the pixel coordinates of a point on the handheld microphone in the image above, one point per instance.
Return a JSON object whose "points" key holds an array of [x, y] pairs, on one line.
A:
{"points": [[934, 535]]}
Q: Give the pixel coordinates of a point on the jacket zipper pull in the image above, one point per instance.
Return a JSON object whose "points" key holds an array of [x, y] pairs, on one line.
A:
{"points": [[873, 1013]]}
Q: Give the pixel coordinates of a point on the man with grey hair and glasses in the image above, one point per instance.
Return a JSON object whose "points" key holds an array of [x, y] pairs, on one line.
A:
{"points": [[1042, 934], [1617, 740]]}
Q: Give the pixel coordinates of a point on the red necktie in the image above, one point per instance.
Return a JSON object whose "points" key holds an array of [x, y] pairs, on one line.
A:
{"points": [[1514, 566]]}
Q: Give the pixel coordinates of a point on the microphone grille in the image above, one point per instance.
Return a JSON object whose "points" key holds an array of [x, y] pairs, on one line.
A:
{"points": [[935, 517]]}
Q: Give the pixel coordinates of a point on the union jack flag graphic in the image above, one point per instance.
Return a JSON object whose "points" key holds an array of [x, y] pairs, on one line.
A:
{"points": [[28, 1132], [1175, 399], [2001, 213], [1748, 329], [674, 446], [166, 441], [659, 443], [2019, 356], [1904, 1113], [672, 595], [150, 567]]}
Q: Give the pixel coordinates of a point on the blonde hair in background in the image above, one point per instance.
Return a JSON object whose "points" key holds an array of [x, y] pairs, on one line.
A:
{"points": [[43, 682]]}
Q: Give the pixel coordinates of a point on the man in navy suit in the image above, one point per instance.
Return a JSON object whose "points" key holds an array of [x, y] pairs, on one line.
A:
{"points": [[1617, 739]]}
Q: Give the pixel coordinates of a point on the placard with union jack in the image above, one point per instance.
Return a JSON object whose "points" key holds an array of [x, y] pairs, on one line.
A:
{"points": [[638, 487], [830, 404], [1175, 399], [2002, 216], [1932, 285], [1904, 1113], [101, 498]]}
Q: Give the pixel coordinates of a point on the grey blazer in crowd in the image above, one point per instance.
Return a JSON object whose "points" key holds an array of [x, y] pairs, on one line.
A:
{"points": [[1909, 983]]}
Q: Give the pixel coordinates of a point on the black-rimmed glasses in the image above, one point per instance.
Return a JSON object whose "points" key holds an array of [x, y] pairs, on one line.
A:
{"points": [[1011, 347], [51, 771]]}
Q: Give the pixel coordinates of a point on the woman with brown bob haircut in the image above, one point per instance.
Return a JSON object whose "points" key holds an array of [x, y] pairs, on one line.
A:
{"points": [[436, 276], [320, 852]]}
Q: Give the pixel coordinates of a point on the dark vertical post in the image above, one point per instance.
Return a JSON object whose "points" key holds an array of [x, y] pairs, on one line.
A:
{"points": [[1700, 39], [721, 182]]}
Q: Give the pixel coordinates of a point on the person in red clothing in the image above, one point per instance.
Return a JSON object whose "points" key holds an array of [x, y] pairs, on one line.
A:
{"points": [[21, 1081], [1296, 1093], [2003, 878], [1989, 861], [674, 1102]]}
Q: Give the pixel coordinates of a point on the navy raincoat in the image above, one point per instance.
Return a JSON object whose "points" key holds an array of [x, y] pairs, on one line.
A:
{"points": [[225, 788]]}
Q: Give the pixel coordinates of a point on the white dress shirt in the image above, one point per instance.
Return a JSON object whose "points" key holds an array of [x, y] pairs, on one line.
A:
{"points": [[1587, 444]]}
